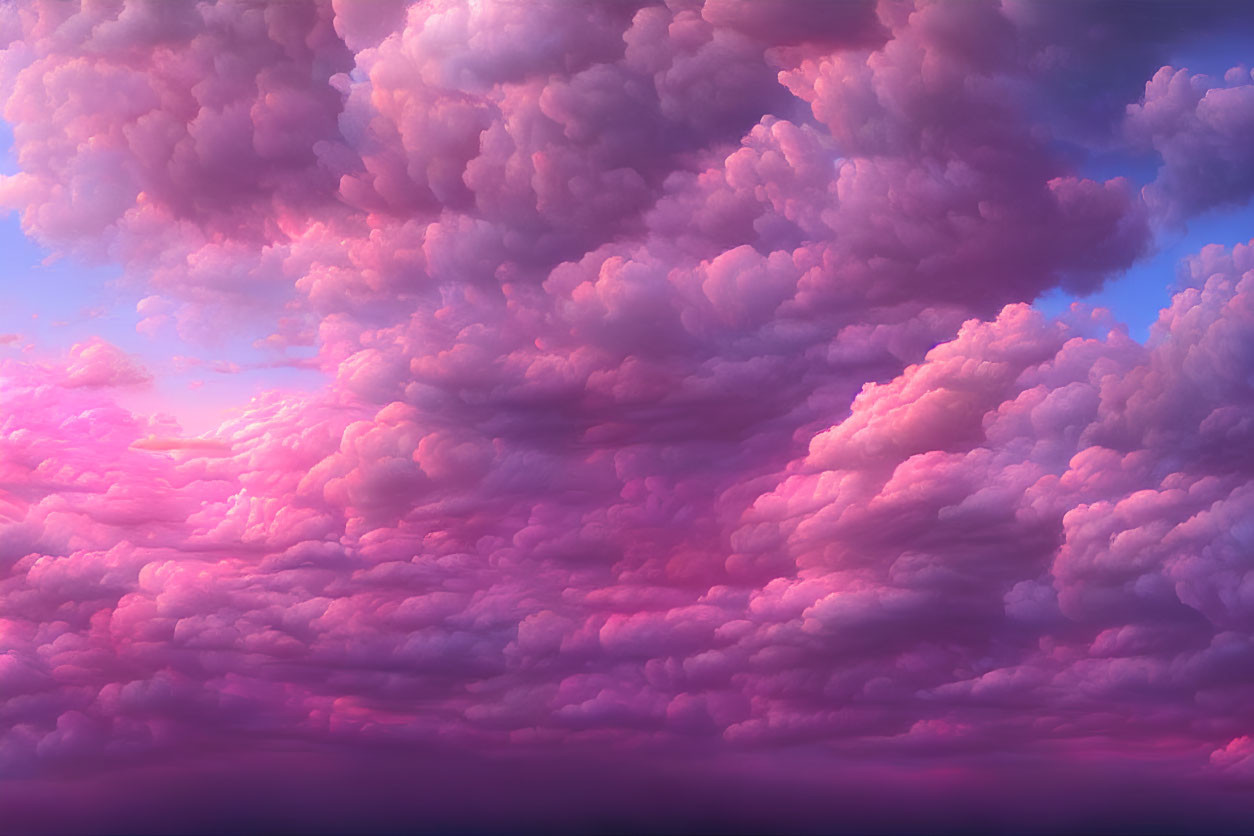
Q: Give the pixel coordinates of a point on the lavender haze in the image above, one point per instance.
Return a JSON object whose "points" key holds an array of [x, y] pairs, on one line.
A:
{"points": [[677, 446]]}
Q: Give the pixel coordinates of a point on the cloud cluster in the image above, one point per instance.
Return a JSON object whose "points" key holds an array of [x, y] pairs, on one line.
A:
{"points": [[1197, 127], [1035, 534], [680, 389]]}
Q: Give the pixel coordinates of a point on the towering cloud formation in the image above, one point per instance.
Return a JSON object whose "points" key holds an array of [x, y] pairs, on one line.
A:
{"points": [[680, 395]]}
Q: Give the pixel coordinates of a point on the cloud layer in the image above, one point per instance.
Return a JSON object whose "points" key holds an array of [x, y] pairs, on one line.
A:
{"points": [[681, 398]]}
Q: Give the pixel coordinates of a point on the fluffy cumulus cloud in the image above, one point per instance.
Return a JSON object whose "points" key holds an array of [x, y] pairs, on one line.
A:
{"points": [[681, 400], [98, 363], [1197, 125]]}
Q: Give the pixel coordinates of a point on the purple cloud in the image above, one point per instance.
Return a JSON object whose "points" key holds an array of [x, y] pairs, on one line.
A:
{"points": [[681, 403]]}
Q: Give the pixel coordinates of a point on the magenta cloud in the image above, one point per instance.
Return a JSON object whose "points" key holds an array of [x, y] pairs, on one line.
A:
{"points": [[680, 393]]}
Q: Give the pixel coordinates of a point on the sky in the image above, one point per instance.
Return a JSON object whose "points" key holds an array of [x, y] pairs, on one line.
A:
{"points": [[739, 416]]}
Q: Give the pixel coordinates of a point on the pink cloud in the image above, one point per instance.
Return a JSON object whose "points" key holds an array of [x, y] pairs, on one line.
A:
{"points": [[158, 443], [96, 363], [681, 393]]}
